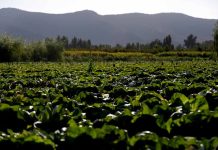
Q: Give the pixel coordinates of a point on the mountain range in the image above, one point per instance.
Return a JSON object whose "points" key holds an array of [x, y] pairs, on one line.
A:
{"points": [[104, 29]]}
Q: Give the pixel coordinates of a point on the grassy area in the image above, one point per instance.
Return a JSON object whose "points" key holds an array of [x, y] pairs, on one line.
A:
{"points": [[203, 54], [85, 55], [78, 55]]}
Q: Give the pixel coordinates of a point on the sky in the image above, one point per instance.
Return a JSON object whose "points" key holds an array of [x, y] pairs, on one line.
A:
{"points": [[196, 8]]}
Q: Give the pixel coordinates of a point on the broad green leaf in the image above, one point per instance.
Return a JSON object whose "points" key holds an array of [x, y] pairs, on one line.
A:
{"points": [[168, 125], [72, 123], [146, 110], [179, 99], [199, 103]]}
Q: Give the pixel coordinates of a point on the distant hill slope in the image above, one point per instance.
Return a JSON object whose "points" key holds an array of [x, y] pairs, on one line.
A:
{"points": [[104, 29]]}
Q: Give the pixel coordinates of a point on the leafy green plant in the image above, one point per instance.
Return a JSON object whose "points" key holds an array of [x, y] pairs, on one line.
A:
{"points": [[156, 105]]}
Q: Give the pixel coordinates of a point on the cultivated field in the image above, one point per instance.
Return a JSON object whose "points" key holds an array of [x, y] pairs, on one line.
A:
{"points": [[115, 105]]}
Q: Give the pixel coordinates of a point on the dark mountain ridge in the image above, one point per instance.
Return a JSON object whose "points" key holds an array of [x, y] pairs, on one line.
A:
{"points": [[104, 29]]}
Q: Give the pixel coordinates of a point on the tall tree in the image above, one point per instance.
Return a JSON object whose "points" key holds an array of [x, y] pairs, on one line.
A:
{"points": [[79, 43], [167, 42], [65, 42], [73, 43], [89, 44], [190, 41], [155, 44], [215, 34]]}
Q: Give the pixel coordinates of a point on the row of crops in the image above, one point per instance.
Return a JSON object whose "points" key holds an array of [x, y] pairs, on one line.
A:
{"points": [[150, 105]]}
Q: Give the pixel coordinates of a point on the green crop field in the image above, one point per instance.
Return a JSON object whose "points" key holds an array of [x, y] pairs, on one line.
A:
{"points": [[120, 105]]}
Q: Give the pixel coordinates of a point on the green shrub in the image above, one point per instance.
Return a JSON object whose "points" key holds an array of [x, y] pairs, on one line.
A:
{"points": [[10, 49], [39, 51], [54, 50]]}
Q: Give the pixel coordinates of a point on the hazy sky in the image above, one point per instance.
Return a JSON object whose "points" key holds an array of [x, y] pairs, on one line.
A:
{"points": [[197, 8]]}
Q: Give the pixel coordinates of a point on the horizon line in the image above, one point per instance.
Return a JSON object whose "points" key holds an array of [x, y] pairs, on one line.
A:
{"points": [[106, 14]]}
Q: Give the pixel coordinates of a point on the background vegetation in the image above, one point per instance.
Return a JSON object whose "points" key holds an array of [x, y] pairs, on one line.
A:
{"points": [[12, 49], [76, 49]]}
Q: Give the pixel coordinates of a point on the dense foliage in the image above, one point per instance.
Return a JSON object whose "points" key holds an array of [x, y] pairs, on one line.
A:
{"points": [[190, 42], [16, 50], [154, 105], [63, 49]]}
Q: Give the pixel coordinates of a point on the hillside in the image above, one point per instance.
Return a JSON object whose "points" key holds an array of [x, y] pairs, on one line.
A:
{"points": [[107, 29]]}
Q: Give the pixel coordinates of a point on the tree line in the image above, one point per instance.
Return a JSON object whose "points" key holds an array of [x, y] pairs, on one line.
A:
{"points": [[75, 42], [51, 49], [157, 45], [190, 43]]}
